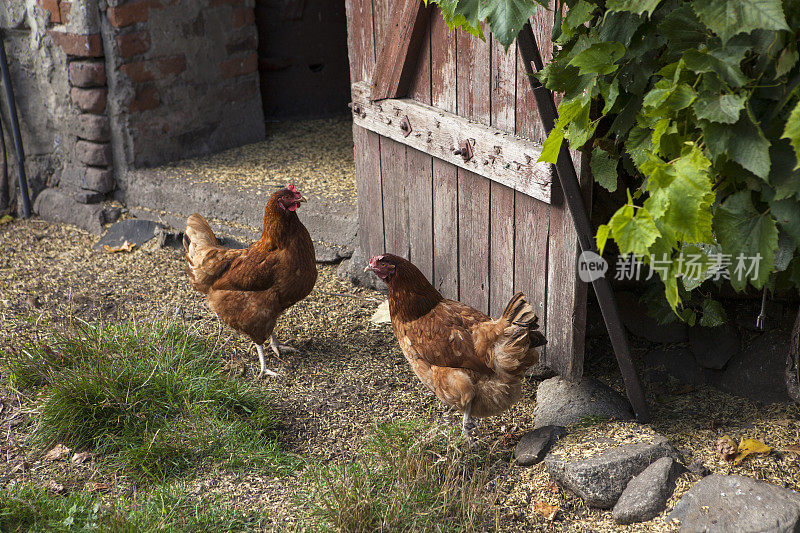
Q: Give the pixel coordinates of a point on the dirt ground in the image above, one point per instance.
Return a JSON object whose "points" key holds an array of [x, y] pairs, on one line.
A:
{"points": [[350, 375]]}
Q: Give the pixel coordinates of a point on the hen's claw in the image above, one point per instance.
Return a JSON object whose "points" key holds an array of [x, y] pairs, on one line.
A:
{"points": [[264, 371], [468, 428], [278, 348]]}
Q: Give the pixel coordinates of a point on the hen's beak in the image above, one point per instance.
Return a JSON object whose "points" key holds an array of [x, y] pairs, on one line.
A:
{"points": [[367, 268], [302, 199]]}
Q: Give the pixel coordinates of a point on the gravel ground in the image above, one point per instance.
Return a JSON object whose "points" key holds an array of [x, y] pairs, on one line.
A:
{"points": [[350, 375]]}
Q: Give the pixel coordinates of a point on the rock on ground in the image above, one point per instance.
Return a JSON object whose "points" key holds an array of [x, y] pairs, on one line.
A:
{"points": [[646, 495], [534, 445], [135, 231], [678, 362], [634, 316], [352, 270], [714, 347], [758, 371], [56, 206], [720, 503], [561, 403], [601, 479]]}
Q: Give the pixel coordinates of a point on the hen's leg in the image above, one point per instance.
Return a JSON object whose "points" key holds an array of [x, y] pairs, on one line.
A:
{"points": [[264, 371], [278, 348], [468, 426]]}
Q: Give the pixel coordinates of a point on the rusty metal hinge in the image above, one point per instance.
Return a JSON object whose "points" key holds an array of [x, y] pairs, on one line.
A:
{"points": [[405, 126]]}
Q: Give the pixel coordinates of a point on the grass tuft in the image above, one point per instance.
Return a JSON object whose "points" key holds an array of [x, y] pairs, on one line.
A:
{"points": [[166, 509], [149, 398], [410, 477]]}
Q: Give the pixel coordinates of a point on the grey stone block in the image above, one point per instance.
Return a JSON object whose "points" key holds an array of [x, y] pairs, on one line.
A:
{"points": [[53, 205], [646, 495], [562, 403]]}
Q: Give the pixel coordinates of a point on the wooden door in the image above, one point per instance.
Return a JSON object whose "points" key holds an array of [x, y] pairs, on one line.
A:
{"points": [[480, 228]]}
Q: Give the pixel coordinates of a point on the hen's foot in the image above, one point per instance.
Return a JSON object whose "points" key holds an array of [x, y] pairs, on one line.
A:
{"points": [[263, 370], [469, 429], [279, 349]]}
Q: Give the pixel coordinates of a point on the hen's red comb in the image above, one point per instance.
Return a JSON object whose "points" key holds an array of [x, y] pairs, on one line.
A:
{"points": [[291, 187]]}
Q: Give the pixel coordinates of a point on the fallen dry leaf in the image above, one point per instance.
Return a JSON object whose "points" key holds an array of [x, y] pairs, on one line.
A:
{"points": [[80, 458], [124, 247], [726, 448], [57, 453], [748, 446], [546, 510], [6, 219], [92, 486], [52, 486]]}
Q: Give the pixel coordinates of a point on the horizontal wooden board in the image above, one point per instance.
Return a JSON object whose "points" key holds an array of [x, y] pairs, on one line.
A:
{"points": [[499, 156]]}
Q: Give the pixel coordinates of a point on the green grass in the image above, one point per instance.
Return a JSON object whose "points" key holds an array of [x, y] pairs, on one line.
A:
{"points": [[166, 509], [150, 399], [410, 477]]}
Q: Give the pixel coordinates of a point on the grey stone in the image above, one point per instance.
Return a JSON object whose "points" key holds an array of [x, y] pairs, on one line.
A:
{"points": [[98, 179], [714, 347], [111, 214], [330, 253], [540, 371], [678, 362], [719, 504], [88, 197], [758, 371], [91, 153], [534, 445], [600, 480], [56, 206], [352, 270], [696, 467], [93, 127], [134, 230], [646, 495], [634, 316], [561, 403]]}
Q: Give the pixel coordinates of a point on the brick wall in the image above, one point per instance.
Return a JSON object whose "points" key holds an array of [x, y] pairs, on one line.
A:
{"points": [[185, 81]]}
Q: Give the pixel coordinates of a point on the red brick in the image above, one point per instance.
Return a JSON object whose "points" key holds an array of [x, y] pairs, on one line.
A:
{"points": [[89, 100], [133, 44], [130, 13], [146, 98], [237, 66], [78, 45], [172, 65], [87, 73], [51, 6], [91, 153], [93, 128], [65, 8], [215, 3], [242, 44], [243, 16], [137, 71]]}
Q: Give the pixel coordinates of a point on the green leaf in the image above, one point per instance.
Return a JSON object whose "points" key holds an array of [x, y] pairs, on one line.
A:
{"points": [[786, 60], [743, 142], [784, 172], [682, 29], [634, 6], [462, 14], [599, 58], [723, 108], [727, 18], [578, 15], [713, 314], [785, 251], [610, 97], [744, 232], [602, 236], [787, 214], [633, 230], [604, 169], [552, 146], [702, 61], [792, 131], [506, 17]]}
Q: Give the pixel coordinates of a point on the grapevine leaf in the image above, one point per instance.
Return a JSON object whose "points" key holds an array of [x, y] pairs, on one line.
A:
{"points": [[786, 60], [785, 251], [745, 233], [506, 18], [634, 6], [610, 97], [599, 58], [578, 15], [634, 231], [620, 27], [604, 169], [463, 14], [696, 266], [663, 126], [743, 142], [792, 131], [713, 314], [732, 17], [639, 145], [683, 29], [788, 217], [784, 174], [602, 236], [724, 108], [702, 61], [552, 146]]}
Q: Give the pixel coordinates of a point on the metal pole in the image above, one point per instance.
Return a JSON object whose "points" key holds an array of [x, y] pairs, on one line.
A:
{"points": [[12, 114], [574, 200]]}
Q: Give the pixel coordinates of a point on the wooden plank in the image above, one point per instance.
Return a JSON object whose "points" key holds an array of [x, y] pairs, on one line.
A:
{"points": [[396, 62], [395, 198], [445, 178], [419, 174], [498, 156], [501, 220], [368, 182], [473, 79], [360, 47]]}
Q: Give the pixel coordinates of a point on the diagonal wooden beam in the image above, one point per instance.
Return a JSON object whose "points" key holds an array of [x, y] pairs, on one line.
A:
{"points": [[398, 57]]}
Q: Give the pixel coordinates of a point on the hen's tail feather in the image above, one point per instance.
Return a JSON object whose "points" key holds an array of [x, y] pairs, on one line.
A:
{"points": [[523, 320], [198, 234]]}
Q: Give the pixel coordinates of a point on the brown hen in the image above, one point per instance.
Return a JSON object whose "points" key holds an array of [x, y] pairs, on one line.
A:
{"points": [[470, 361], [249, 288]]}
